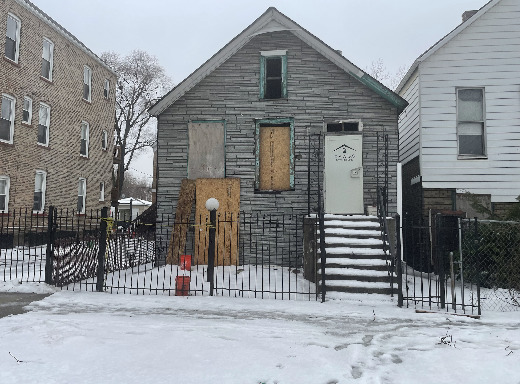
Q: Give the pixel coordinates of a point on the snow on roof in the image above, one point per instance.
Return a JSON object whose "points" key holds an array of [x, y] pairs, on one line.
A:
{"points": [[135, 202]]}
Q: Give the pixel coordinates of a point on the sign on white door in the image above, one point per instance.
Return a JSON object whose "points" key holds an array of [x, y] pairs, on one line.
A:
{"points": [[344, 174]]}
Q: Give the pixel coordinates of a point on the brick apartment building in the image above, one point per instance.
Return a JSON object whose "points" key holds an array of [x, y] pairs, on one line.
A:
{"points": [[57, 116]]}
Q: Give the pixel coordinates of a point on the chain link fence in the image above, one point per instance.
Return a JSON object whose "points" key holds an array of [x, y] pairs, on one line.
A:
{"points": [[490, 255]]}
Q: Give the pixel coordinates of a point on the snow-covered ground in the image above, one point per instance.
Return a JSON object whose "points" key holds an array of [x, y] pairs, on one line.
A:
{"points": [[82, 337]]}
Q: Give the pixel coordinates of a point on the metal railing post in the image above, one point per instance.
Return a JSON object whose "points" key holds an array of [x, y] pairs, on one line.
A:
{"points": [[398, 260], [102, 250], [49, 256], [211, 249]]}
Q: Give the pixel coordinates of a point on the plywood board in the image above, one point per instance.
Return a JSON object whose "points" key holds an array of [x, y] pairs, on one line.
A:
{"points": [[182, 216], [227, 192], [206, 155], [274, 158]]}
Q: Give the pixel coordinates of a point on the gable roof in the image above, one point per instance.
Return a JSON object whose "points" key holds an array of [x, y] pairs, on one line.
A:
{"points": [[445, 40], [273, 21]]}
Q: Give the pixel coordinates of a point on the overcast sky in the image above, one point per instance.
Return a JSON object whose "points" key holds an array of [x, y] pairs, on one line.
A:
{"points": [[183, 34]]}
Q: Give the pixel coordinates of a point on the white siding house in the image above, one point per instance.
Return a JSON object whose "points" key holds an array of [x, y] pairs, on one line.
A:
{"points": [[461, 130]]}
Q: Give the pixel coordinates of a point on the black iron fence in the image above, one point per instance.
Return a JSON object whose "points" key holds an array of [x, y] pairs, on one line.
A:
{"points": [[250, 254], [461, 265]]}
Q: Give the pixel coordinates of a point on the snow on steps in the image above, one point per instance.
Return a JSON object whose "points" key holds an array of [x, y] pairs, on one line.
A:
{"points": [[355, 256]]}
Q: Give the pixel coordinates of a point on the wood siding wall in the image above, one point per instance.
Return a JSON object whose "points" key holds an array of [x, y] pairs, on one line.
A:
{"points": [[410, 122], [486, 54], [318, 92]]}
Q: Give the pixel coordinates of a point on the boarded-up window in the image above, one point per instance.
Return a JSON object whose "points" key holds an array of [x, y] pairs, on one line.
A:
{"points": [[274, 157], [206, 158]]}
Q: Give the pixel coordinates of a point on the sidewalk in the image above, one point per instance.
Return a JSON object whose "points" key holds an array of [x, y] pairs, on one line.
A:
{"points": [[13, 303]]}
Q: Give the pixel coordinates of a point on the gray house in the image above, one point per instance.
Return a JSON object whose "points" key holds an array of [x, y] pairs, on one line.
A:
{"points": [[249, 111]]}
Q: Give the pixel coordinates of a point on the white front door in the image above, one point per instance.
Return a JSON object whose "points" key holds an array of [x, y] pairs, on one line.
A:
{"points": [[344, 174]]}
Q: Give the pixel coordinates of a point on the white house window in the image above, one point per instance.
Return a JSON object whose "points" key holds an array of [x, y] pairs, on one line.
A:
{"points": [[39, 191], [106, 88], [470, 121], [47, 59], [102, 191], [4, 193], [44, 117], [27, 110], [84, 139], [273, 74], [82, 194], [7, 119], [12, 37], [87, 81], [104, 140]]}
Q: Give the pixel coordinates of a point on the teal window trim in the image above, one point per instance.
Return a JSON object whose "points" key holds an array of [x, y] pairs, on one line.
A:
{"points": [[263, 79], [258, 124], [225, 141]]}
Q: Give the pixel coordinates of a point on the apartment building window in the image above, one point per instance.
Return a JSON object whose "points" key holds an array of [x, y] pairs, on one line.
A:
{"points": [[7, 119], [12, 37], [106, 88], [470, 122], [104, 140], [4, 193], [82, 194], [44, 118], [87, 82], [273, 74], [47, 59], [27, 110], [84, 139], [39, 191], [102, 191]]}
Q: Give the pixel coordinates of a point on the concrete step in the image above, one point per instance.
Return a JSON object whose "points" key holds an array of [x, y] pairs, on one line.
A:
{"points": [[354, 286], [329, 217], [353, 242], [367, 279], [352, 233]]}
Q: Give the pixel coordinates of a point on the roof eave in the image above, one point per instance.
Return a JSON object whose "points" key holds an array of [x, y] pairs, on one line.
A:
{"points": [[442, 42], [256, 28]]}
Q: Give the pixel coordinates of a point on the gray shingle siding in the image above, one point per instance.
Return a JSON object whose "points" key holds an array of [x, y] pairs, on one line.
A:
{"points": [[318, 91]]}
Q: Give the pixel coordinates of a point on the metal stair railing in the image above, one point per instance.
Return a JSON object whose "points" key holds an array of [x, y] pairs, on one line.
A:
{"points": [[382, 206]]}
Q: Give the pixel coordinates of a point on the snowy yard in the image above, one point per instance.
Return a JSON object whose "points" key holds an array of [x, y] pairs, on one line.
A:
{"points": [[97, 337]]}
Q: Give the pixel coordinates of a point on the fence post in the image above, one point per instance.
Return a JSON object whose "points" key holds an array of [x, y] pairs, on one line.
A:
{"points": [[49, 256], [398, 261], [211, 249], [440, 259], [102, 250]]}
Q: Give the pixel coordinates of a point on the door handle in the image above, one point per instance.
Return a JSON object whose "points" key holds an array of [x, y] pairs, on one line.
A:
{"points": [[356, 172]]}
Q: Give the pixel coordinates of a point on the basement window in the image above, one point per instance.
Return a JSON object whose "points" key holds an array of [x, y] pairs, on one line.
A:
{"points": [[344, 126], [273, 74]]}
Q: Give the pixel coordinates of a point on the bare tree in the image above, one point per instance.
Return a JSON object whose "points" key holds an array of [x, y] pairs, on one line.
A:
{"points": [[141, 80], [380, 72], [137, 187]]}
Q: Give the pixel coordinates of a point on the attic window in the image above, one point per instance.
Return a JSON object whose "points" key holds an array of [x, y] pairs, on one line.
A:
{"points": [[273, 74], [344, 126]]}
